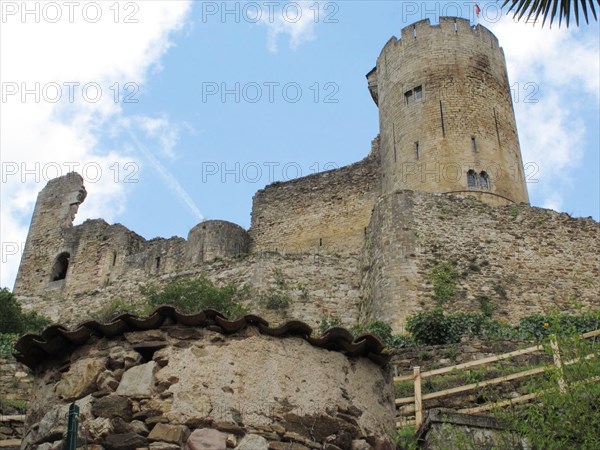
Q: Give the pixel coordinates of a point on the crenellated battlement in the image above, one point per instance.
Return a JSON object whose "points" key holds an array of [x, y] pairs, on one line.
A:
{"points": [[448, 26]]}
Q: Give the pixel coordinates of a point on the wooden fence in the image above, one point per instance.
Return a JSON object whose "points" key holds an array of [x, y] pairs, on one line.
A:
{"points": [[417, 376]]}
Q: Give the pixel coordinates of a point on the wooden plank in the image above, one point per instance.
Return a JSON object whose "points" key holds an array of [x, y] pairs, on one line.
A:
{"points": [[418, 399], [477, 362], [469, 387], [403, 400], [591, 334], [562, 385], [521, 399], [488, 360], [16, 418], [10, 443], [403, 378], [490, 406], [405, 422]]}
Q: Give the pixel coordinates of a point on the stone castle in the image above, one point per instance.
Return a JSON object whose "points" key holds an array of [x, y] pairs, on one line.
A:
{"points": [[443, 181]]}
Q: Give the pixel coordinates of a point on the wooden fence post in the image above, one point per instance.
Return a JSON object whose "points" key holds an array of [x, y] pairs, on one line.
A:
{"points": [[562, 385], [418, 397]]}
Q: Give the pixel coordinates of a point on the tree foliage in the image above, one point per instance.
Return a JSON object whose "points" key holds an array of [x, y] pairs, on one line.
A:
{"points": [[14, 320], [194, 295]]}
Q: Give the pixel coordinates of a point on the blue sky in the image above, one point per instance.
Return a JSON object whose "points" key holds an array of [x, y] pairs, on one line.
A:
{"points": [[183, 152]]}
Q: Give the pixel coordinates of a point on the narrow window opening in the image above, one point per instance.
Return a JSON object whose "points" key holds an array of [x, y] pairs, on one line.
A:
{"points": [[60, 267], [158, 263], [394, 137], [442, 119], [415, 31], [455, 27], [409, 97], [497, 129], [484, 180], [473, 144], [114, 261], [418, 93], [471, 179], [417, 149], [320, 242]]}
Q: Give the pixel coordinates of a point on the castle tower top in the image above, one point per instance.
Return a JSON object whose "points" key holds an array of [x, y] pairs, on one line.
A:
{"points": [[446, 115]]}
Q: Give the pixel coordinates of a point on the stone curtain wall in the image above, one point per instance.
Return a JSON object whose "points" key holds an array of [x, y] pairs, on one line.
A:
{"points": [[179, 387], [526, 260], [322, 213], [317, 285]]}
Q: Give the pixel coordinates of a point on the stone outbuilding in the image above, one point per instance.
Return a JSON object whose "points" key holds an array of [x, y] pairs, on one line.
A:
{"points": [[200, 381]]}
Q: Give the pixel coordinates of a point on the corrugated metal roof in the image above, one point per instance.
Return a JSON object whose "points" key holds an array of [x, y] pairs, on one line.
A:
{"points": [[57, 340]]}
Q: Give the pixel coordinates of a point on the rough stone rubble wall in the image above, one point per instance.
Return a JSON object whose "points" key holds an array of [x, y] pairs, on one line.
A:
{"points": [[191, 388], [526, 260], [322, 213], [318, 286]]}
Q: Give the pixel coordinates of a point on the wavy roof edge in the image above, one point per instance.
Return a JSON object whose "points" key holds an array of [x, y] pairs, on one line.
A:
{"points": [[57, 340]]}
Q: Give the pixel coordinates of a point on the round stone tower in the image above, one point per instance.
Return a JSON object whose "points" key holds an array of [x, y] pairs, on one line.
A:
{"points": [[216, 239], [446, 116]]}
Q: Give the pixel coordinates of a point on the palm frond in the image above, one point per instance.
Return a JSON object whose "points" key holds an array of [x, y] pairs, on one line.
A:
{"points": [[553, 9]]}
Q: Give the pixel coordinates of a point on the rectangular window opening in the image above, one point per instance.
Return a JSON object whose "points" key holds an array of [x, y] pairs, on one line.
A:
{"points": [[114, 261], [158, 263], [418, 93], [409, 97], [417, 149]]}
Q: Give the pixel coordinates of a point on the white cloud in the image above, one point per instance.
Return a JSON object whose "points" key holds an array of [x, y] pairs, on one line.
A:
{"points": [[295, 19], [563, 64], [44, 136], [162, 130]]}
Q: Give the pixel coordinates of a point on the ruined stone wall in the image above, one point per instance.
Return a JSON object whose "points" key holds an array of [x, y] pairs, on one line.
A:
{"points": [[445, 108], [525, 260], [317, 286], [322, 213], [49, 233], [182, 387]]}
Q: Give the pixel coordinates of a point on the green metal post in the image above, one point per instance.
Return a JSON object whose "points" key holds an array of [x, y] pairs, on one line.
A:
{"points": [[71, 438]]}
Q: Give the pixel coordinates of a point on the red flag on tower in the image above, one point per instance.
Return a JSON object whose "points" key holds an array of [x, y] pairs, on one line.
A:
{"points": [[477, 9]]}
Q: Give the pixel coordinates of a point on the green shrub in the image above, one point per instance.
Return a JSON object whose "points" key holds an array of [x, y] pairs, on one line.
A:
{"points": [[7, 343], [196, 294], [540, 326], [443, 276], [328, 322], [116, 308], [428, 327], [434, 327], [406, 438], [275, 299], [14, 320], [384, 332], [486, 305]]}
